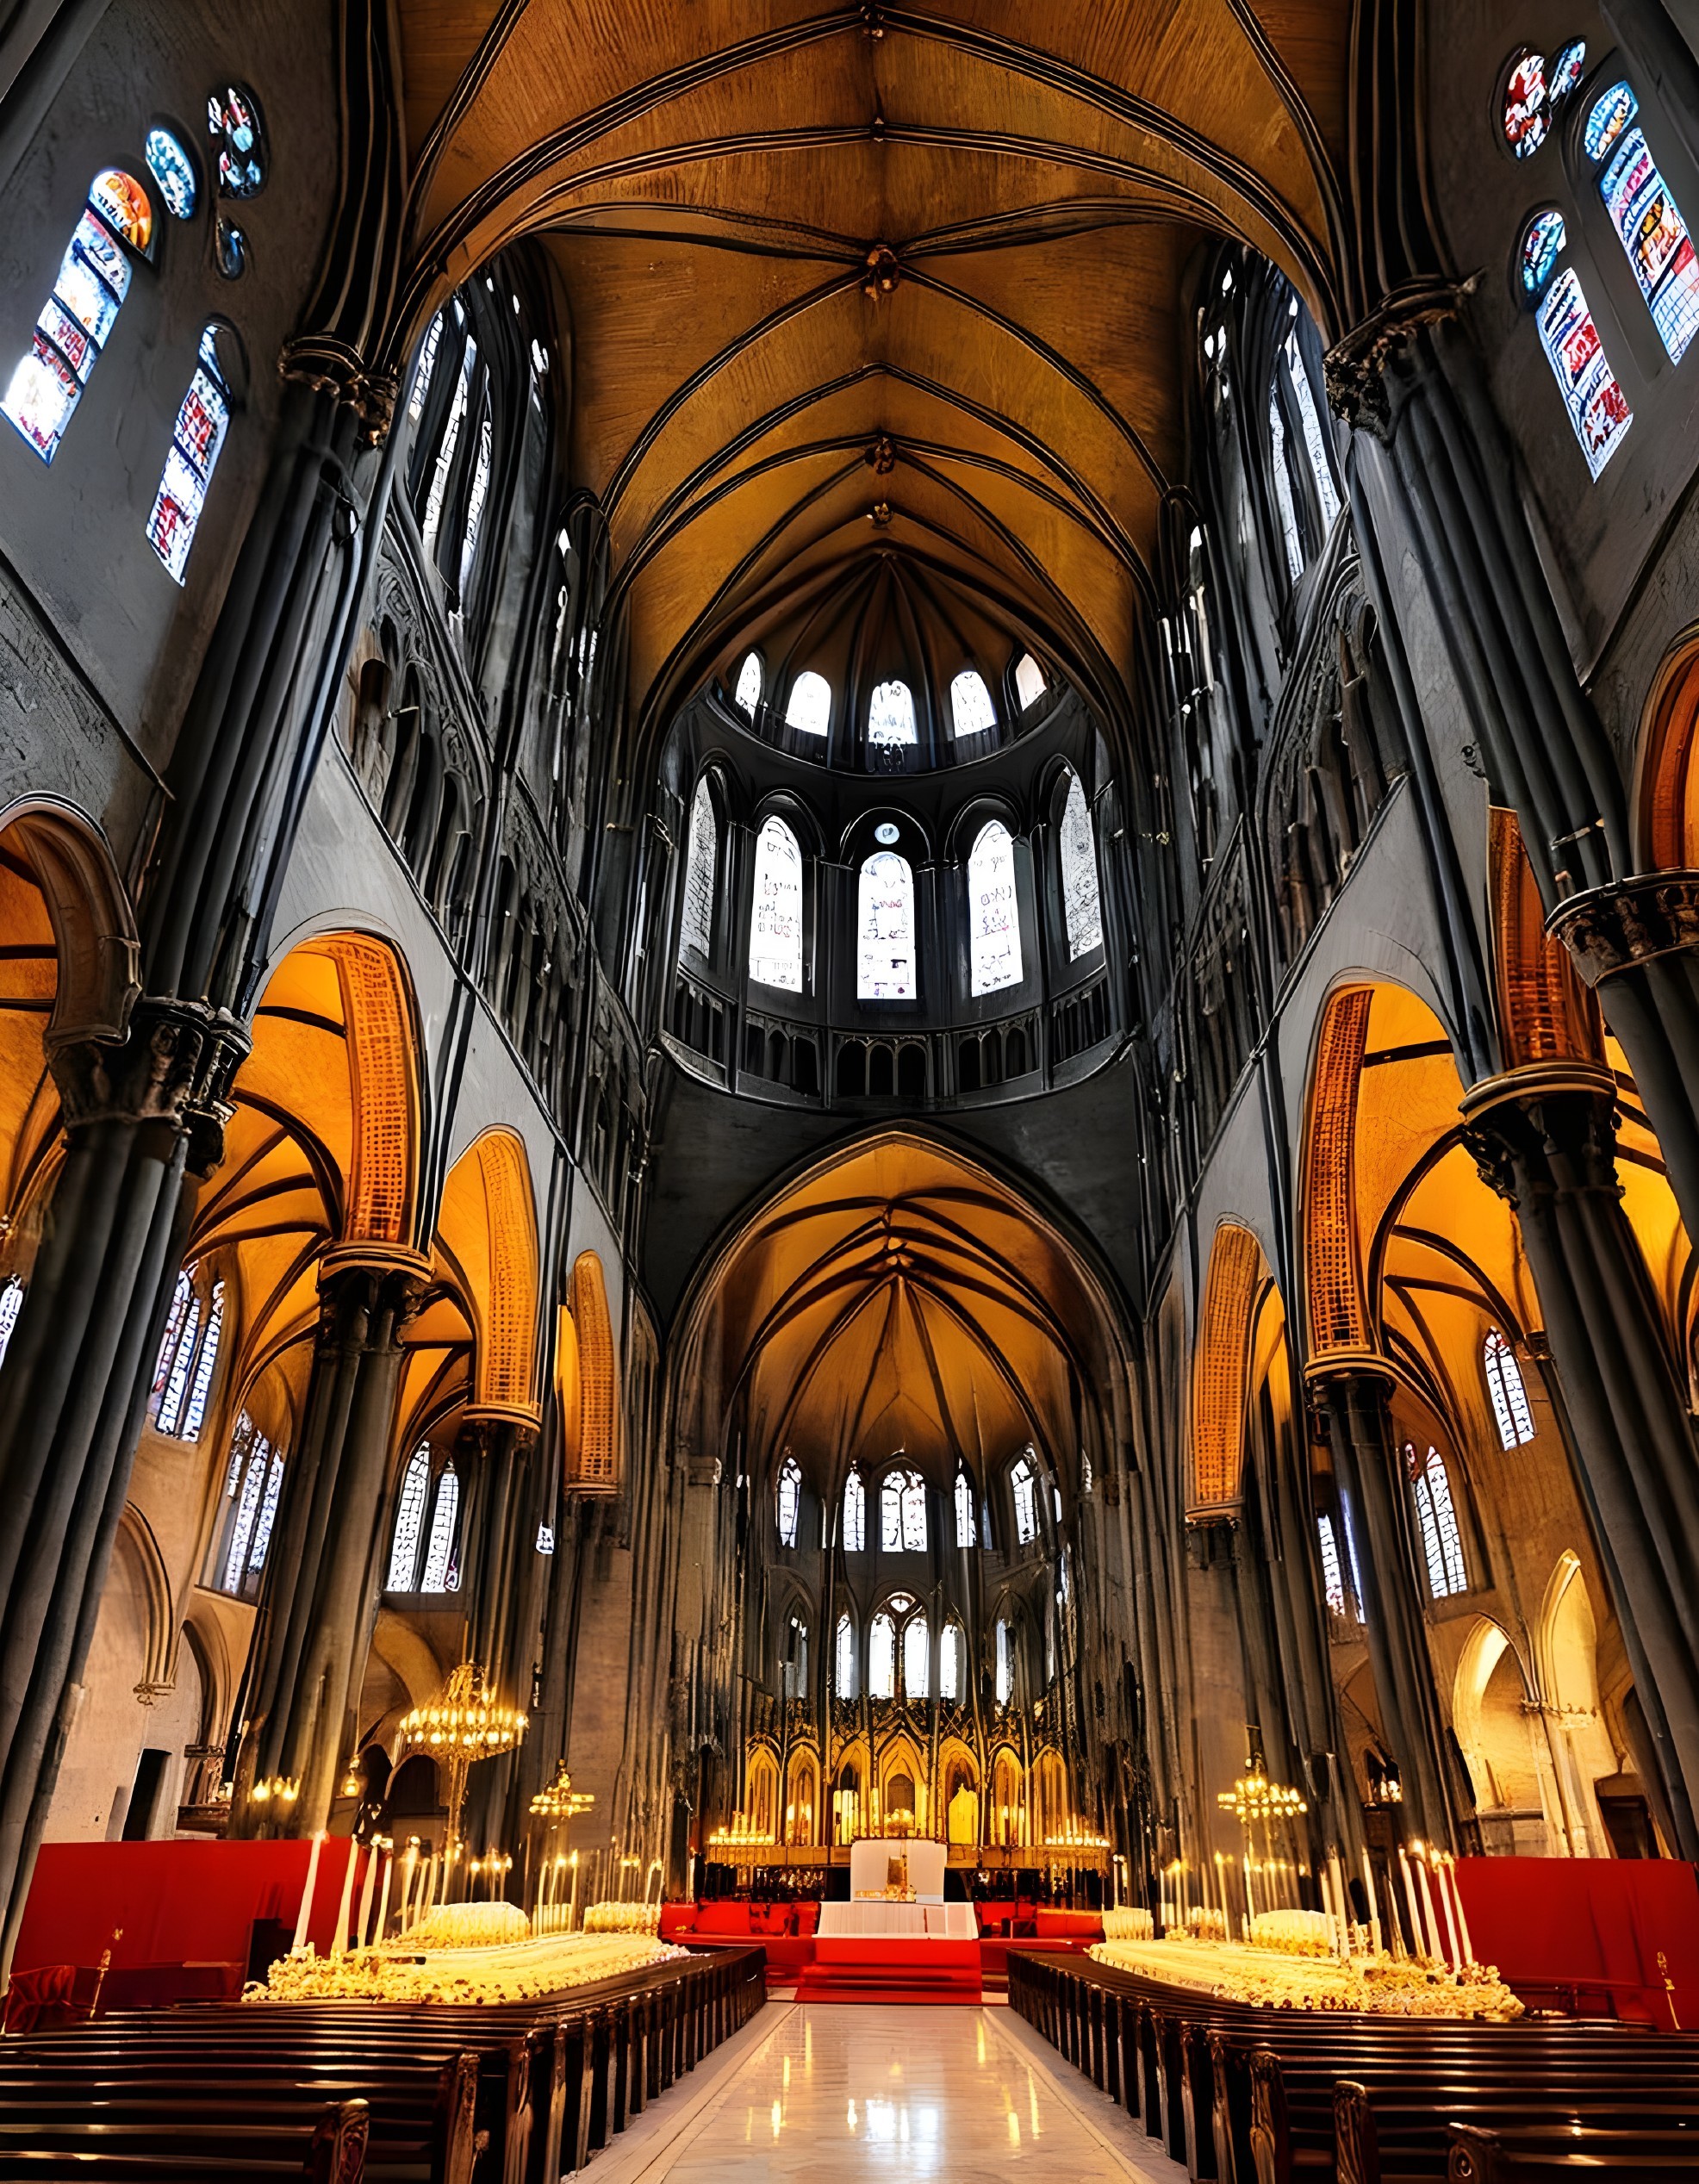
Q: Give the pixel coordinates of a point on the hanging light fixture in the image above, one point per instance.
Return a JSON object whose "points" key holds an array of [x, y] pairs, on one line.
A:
{"points": [[463, 1723]]}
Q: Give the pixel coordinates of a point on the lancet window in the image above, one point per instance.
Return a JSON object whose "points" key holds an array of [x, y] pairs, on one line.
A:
{"points": [[1082, 910], [809, 711], [776, 919], [1647, 221], [994, 914], [409, 1521], [882, 1657], [843, 1664], [183, 1377], [701, 874], [971, 711], [1004, 1662], [203, 420], [1029, 683], [917, 1657], [949, 1661], [891, 714], [441, 1572], [1023, 1486], [1436, 1521], [902, 1518], [11, 1303], [253, 1485], [964, 1510], [790, 1501], [855, 1514], [749, 678], [885, 929], [1510, 1408]]}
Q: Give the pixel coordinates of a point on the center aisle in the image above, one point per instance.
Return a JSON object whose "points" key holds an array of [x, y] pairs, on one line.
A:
{"points": [[829, 2095]]}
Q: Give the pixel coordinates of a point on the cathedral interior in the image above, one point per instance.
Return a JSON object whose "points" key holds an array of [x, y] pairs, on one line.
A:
{"points": [[884, 973]]}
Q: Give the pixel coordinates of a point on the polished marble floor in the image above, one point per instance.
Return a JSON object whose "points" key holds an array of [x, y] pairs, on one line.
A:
{"points": [[832, 2095]]}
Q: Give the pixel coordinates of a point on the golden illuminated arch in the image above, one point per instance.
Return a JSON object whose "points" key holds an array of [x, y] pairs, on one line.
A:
{"points": [[382, 1057], [1332, 1245], [1220, 1368], [1669, 799], [1545, 1013], [486, 1230], [593, 1453]]}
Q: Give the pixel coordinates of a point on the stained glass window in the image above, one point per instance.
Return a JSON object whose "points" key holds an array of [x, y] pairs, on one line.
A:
{"points": [[790, 1501], [247, 1483], [971, 711], [1441, 1544], [843, 1670], [1598, 409], [1566, 70], [11, 1303], [949, 1661], [1652, 232], [182, 1298], [170, 1414], [1029, 683], [1006, 1664], [451, 439], [441, 1572], [78, 318], [855, 1514], [701, 874], [196, 439], [796, 1659], [233, 125], [776, 917], [964, 1510], [1509, 1396], [1527, 114], [1316, 443], [1081, 909], [545, 1539], [885, 926], [205, 1365], [1612, 112], [748, 684], [882, 1657], [917, 1657], [475, 505], [268, 1514], [810, 708], [1543, 240], [1283, 488], [410, 1520], [1333, 1576], [171, 167], [891, 714], [1023, 1486], [994, 915], [902, 1514], [426, 370]]}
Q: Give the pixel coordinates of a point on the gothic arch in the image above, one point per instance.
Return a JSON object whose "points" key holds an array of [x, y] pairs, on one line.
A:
{"points": [[487, 1231], [1669, 781], [94, 928], [1221, 1369], [591, 1428]]}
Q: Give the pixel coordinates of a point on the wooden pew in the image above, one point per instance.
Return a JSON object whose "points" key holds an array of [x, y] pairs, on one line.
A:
{"points": [[1399, 2134], [324, 2142], [1557, 2156]]}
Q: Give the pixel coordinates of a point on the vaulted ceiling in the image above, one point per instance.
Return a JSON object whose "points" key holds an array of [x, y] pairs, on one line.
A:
{"points": [[788, 233]]}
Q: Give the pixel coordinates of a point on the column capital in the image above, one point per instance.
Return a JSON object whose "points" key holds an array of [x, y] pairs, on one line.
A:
{"points": [[328, 365], [1610, 929], [174, 1066], [1356, 364], [1549, 1127], [1337, 1368]]}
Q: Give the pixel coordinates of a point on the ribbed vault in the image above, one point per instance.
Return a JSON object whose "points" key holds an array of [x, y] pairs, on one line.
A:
{"points": [[789, 236]]}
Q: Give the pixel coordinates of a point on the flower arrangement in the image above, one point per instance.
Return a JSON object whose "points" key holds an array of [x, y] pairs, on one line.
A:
{"points": [[1378, 1986], [488, 1975], [462, 1925], [622, 1919], [1131, 1923]]}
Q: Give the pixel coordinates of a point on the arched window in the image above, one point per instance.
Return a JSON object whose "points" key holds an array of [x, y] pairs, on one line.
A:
{"points": [[1029, 683], [409, 1521], [1504, 1386], [902, 1514], [790, 1501], [443, 469], [795, 1677], [76, 319], [993, 917], [843, 1667], [173, 169], [1004, 1662], [1316, 443], [425, 369], [885, 927], [949, 1661], [442, 1561], [964, 1510], [776, 917], [1436, 1518], [206, 1363], [917, 1657], [1023, 1485], [882, 1657], [187, 1356], [1081, 906], [749, 684], [855, 1514], [252, 1484], [1284, 497], [1333, 1576], [11, 1303], [196, 439], [475, 504], [701, 874], [809, 711], [971, 711], [1647, 217], [891, 714], [1598, 409]]}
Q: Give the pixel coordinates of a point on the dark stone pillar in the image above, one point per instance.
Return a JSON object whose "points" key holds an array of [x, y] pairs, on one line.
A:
{"points": [[144, 1118], [1368, 1463], [323, 1577], [1546, 1141]]}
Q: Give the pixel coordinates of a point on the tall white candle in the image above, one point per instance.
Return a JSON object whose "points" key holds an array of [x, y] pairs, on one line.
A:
{"points": [[1368, 1883], [427, 1887], [409, 1869], [339, 1940], [1342, 1900], [304, 1915], [368, 1889], [384, 1901], [1456, 1887], [1432, 1923], [1417, 1945]]}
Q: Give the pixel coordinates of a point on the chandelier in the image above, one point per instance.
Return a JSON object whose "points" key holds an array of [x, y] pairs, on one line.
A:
{"points": [[462, 1724], [1254, 1797], [559, 1799]]}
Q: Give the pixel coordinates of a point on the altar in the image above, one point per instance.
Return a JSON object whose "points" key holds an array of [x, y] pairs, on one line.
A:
{"points": [[895, 1869], [875, 1919]]}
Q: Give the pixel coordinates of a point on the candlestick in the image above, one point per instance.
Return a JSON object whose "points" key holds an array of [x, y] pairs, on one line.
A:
{"points": [[425, 1889], [368, 1888], [384, 1901], [340, 1941], [1342, 1902], [1374, 1900], [409, 1869], [1430, 1922], [306, 1912], [1456, 1887], [1454, 1950], [1416, 1943]]}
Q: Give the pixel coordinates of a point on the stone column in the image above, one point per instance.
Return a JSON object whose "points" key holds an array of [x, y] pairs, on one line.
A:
{"points": [[1545, 1140], [144, 1121], [1354, 1402], [324, 1574]]}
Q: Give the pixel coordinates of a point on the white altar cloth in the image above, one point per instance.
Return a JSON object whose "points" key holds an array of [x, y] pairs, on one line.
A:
{"points": [[871, 1857], [898, 1921]]}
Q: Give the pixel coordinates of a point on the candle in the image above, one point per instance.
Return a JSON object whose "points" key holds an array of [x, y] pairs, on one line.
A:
{"points": [[425, 1888], [1456, 1887], [1429, 1921], [367, 1888], [340, 1941], [306, 1912], [1368, 1883], [409, 1869], [1341, 1901], [572, 1908], [1454, 1954], [1410, 1891], [384, 1901]]}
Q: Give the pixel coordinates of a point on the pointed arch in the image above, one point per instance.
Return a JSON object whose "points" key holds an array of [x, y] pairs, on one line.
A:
{"points": [[381, 1029], [1546, 1014], [594, 1466], [1332, 1244], [1669, 781], [487, 1229], [1220, 1385]]}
